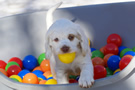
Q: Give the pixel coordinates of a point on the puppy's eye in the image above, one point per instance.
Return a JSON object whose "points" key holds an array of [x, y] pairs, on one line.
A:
{"points": [[56, 39], [71, 37]]}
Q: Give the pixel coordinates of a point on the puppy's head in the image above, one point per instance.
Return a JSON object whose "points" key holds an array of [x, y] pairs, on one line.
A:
{"points": [[65, 36]]}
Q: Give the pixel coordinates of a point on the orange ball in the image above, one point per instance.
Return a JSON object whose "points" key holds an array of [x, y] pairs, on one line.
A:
{"points": [[30, 78], [47, 74], [37, 68], [45, 65], [106, 57], [3, 71], [98, 61], [42, 82], [102, 49], [130, 56]]}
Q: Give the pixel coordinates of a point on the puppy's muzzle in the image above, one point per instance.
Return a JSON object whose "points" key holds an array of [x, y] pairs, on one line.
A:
{"points": [[65, 49]]}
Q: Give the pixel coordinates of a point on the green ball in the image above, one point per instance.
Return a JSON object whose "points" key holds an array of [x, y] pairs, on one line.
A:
{"points": [[41, 58], [72, 77], [133, 49], [14, 79], [10, 64], [108, 75], [124, 51], [97, 53], [109, 72]]}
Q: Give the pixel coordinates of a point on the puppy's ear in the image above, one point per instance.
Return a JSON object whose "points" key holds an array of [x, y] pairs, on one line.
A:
{"points": [[83, 41], [48, 50]]}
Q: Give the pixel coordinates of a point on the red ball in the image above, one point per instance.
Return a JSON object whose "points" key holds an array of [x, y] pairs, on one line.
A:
{"points": [[13, 70], [3, 64], [114, 38], [98, 61], [124, 62], [17, 60], [99, 72], [111, 49], [72, 81]]}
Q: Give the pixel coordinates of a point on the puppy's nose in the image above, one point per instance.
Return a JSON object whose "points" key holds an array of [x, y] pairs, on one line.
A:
{"points": [[65, 49]]}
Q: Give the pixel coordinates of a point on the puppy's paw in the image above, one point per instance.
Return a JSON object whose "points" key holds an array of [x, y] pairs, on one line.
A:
{"points": [[86, 81]]}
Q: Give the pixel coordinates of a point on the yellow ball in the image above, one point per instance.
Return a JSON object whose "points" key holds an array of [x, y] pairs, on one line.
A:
{"points": [[117, 70], [50, 76], [89, 41], [51, 81], [16, 77], [67, 57]]}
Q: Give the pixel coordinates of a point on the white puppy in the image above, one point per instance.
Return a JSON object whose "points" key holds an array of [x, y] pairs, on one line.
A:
{"points": [[64, 36]]}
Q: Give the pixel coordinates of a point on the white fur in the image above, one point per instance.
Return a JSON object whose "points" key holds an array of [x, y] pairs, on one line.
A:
{"points": [[61, 29]]}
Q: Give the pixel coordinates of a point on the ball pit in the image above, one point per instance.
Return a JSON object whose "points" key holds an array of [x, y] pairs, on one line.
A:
{"points": [[107, 61]]}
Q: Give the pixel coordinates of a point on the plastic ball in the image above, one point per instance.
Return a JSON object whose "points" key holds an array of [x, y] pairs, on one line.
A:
{"points": [[2, 64], [102, 49], [13, 70], [113, 62], [99, 72], [109, 72], [67, 57], [51, 81], [121, 48], [106, 57], [23, 73], [97, 53], [116, 71], [93, 49], [37, 68], [16, 59], [42, 82], [45, 65], [41, 77], [50, 77], [30, 62], [130, 53], [16, 77], [124, 51], [98, 61], [47, 74], [89, 41], [124, 62], [72, 77], [77, 78], [4, 72], [10, 64], [111, 49], [72, 81], [130, 56], [36, 72], [133, 49], [41, 58], [30, 78], [114, 38]]}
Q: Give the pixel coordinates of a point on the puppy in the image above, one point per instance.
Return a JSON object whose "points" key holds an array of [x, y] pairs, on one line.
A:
{"points": [[64, 36]]}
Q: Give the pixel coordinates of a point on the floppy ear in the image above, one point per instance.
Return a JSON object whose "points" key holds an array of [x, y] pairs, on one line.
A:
{"points": [[83, 41], [48, 50]]}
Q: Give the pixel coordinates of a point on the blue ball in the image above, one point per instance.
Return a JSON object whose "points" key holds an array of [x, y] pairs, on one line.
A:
{"points": [[130, 53], [93, 49], [23, 73], [36, 72], [30, 62], [77, 78], [41, 77], [49, 78], [113, 62], [121, 48]]}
